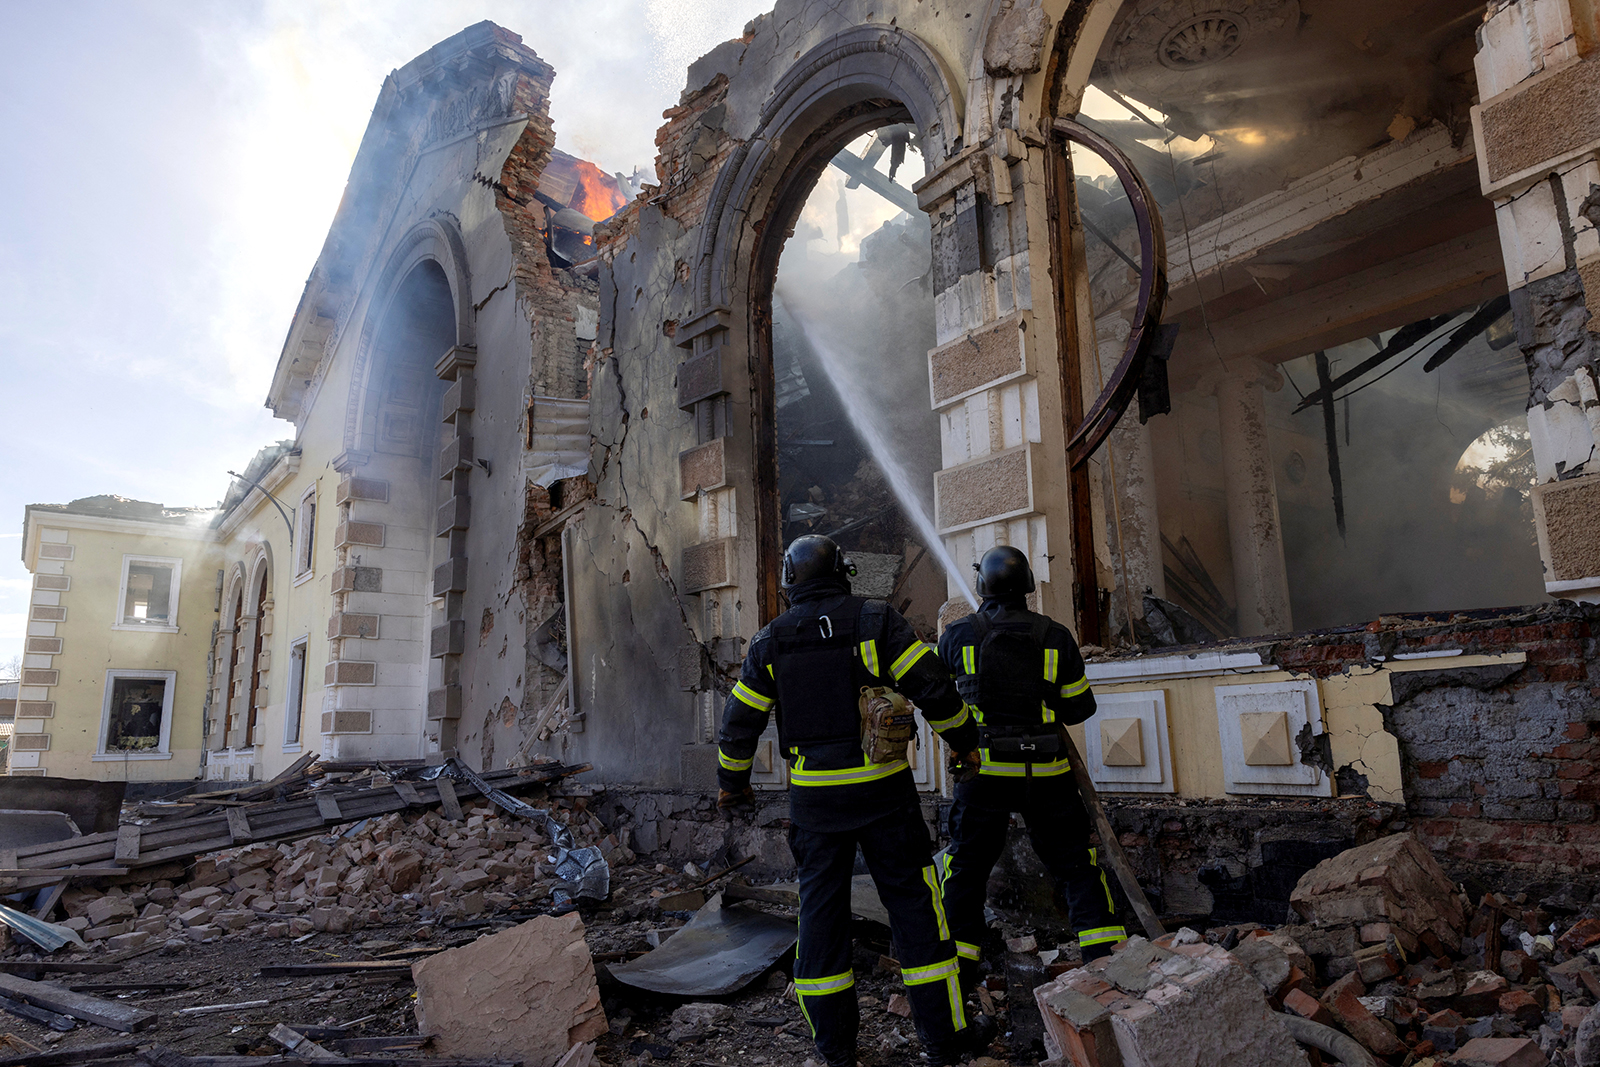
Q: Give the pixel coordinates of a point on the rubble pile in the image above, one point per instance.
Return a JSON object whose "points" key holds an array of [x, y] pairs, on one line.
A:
{"points": [[396, 868], [1392, 954]]}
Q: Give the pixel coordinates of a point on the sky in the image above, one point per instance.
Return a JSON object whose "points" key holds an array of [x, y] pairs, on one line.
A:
{"points": [[169, 171]]}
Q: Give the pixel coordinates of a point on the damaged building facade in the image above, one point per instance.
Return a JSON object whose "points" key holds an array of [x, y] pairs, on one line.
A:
{"points": [[1318, 420], [1261, 326]]}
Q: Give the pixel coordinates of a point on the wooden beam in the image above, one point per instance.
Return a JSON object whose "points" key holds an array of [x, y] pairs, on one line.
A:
{"points": [[50, 874], [449, 804], [328, 808], [310, 970], [127, 843], [68, 1056], [239, 825], [408, 793], [108, 1013]]}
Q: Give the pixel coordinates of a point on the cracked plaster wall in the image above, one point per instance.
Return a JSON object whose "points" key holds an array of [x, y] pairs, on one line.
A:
{"points": [[630, 622]]}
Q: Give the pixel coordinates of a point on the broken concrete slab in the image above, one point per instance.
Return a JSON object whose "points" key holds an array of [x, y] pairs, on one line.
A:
{"points": [[1196, 1005], [528, 993]]}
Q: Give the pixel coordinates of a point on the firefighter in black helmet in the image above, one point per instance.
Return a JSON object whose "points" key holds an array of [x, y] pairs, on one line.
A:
{"points": [[1022, 678], [815, 666]]}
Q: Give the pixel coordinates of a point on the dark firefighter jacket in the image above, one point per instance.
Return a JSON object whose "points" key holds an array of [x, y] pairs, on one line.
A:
{"points": [[1064, 695], [832, 785]]}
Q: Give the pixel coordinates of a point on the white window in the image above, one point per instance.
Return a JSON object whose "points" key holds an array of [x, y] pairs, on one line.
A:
{"points": [[149, 598], [294, 708], [136, 717], [305, 534]]}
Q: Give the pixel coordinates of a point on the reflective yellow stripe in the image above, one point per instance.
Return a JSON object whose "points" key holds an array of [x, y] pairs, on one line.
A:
{"points": [[958, 1013], [728, 763], [931, 973], [869, 657], [769, 671], [1080, 686], [1094, 861], [848, 776], [1044, 710], [753, 698], [930, 875], [1020, 770], [966, 950], [909, 657], [951, 723], [1101, 935], [1052, 660], [816, 987], [969, 659]]}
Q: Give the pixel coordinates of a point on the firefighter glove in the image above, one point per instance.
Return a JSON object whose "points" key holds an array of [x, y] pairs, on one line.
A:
{"points": [[743, 802]]}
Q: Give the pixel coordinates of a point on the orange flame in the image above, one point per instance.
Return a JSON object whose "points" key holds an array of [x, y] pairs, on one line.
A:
{"points": [[597, 195]]}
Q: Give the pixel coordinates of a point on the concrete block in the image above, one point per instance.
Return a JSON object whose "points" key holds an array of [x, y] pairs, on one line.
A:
{"points": [[132, 939], [109, 930], [1197, 1006], [108, 910], [528, 993]]}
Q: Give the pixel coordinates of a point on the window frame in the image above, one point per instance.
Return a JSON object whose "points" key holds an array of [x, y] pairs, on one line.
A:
{"points": [[305, 532], [164, 750], [120, 619], [294, 701]]}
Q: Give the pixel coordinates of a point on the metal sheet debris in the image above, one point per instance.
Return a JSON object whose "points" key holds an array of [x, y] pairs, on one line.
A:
{"points": [[47, 936], [722, 950]]}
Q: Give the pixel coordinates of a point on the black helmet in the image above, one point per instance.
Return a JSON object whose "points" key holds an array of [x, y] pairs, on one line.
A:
{"points": [[814, 556], [1004, 571]]}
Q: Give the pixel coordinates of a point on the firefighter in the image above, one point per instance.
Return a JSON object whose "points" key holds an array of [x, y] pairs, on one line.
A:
{"points": [[1022, 679], [810, 667]]}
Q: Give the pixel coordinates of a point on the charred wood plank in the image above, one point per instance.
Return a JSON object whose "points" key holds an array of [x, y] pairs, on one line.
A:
{"points": [[108, 1013], [68, 1056], [43, 1017], [1330, 432]]}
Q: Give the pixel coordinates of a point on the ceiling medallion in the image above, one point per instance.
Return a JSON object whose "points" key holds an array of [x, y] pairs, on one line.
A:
{"points": [[1201, 42]]}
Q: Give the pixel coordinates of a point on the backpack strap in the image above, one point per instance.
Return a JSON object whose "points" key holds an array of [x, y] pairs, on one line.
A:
{"points": [[874, 616]]}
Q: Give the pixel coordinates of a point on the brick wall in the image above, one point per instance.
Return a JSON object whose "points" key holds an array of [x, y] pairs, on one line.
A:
{"points": [[1498, 763]]}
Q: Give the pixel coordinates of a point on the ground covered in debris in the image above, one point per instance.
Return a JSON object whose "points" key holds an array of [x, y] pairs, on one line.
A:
{"points": [[319, 936]]}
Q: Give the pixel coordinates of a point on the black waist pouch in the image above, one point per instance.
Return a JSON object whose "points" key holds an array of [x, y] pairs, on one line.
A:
{"points": [[1022, 744]]}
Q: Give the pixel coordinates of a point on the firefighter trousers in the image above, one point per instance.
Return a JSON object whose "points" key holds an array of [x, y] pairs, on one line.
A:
{"points": [[1058, 829], [899, 856]]}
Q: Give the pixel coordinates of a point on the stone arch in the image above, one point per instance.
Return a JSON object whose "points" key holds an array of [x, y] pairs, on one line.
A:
{"points": [[437, 240], [858, 80], [862, 64]]}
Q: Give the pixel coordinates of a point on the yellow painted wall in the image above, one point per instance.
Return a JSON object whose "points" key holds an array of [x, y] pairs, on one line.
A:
{"points": [[1350, 715], [300, 604], [90, 647]]}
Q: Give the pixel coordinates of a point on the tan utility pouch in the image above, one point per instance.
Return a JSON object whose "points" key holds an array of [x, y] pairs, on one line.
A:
{"points": [[888, 723]]}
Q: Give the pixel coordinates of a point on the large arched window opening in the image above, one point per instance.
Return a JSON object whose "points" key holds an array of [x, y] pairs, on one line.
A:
{"points": [[236, 665], [847, 439], [1338, 310], [260, 607], [847, 316]]}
